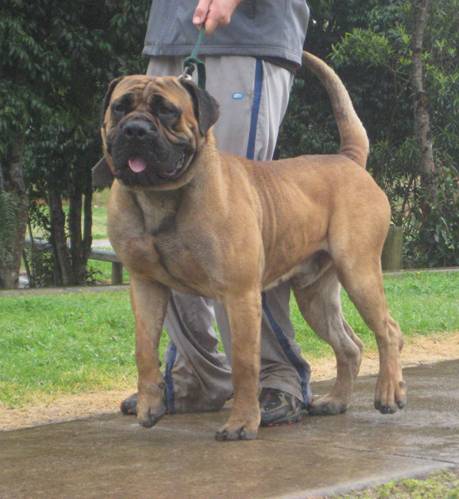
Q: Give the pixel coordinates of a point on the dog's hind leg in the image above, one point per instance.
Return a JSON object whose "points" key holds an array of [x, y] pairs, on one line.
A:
{"points": [[320, 305], [361, 276]]}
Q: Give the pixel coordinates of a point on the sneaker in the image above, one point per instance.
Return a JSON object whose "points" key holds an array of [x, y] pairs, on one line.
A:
{"points": [[278, 407], [129, 406]]}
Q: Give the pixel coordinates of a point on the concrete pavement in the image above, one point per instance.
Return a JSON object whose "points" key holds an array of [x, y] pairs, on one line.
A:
{"points": [[112, 457]]}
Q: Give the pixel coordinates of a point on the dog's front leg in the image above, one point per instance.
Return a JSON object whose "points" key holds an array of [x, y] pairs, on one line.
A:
{"points": [[149, 303], [244, 315]]}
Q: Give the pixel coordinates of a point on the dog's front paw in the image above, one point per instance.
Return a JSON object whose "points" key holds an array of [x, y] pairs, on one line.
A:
{"points": [[149, 410], [390, 395], [228, 433], [238, 429]]}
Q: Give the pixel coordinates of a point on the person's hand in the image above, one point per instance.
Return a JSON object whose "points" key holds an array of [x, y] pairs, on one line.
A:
{"points": [[214, 13]]}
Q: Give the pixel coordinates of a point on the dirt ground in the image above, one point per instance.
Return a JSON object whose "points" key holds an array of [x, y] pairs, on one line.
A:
{"points": [[418, 350]]}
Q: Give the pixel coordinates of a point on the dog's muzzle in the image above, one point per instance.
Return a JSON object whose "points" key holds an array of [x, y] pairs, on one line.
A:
{"points": [[143, 156]]}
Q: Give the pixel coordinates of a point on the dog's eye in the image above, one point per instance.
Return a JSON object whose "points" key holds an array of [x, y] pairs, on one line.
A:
{"points": [[118, 108], [122, 106], [166, 111]]}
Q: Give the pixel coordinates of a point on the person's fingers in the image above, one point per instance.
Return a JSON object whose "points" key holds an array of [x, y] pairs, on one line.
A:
{"points": [[220, 12], [211, 25], [201, 11]]}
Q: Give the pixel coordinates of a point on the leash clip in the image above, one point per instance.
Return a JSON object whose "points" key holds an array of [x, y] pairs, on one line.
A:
{"points": [[187, 73]]}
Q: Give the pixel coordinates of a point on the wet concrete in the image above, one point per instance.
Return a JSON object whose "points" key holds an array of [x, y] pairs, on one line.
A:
{"points": [[113, 457]]}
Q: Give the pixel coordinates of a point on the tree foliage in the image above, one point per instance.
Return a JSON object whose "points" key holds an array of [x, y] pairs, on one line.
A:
{"points": [[57, 59]]}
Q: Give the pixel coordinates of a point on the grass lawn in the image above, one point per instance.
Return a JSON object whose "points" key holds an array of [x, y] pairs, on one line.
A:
{"points": [[99, 214], [443, 484], [77, 342], [99, 222]]}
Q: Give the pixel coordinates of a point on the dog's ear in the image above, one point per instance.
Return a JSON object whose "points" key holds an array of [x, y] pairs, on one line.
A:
{"points": [[205, 106], [101, 174], [108, 96]]}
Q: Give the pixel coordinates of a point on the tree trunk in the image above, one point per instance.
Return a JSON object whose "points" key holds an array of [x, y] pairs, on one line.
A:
{"points": [[58, 239], [80, 203], [13, 216], [421, 104], [75, 205], [87, 225]]}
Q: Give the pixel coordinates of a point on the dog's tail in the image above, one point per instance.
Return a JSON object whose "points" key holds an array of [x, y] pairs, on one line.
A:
{"points": [[354, 140]]}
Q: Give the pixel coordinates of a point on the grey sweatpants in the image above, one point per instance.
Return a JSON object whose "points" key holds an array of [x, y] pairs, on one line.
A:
{"points": [[253, 97]]}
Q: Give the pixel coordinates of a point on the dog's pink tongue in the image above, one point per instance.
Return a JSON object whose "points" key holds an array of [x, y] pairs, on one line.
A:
{"points": [[137, 165]]}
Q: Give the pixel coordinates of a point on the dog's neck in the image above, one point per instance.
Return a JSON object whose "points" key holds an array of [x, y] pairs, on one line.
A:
{"points": [[207, 176]]}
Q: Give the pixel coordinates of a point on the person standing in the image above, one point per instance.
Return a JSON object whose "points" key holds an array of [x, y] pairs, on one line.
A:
{"points": [[251, 50]]}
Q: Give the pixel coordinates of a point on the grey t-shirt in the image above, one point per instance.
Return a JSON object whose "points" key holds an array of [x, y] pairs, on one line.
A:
{"points": [[260, 28]]}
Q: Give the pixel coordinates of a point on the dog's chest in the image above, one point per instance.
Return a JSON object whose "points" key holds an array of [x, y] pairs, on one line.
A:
{"points": [[185, 255], [158, 211]]}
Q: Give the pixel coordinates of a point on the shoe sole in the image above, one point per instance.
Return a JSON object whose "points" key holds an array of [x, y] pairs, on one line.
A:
{"points": [[286, 421]]}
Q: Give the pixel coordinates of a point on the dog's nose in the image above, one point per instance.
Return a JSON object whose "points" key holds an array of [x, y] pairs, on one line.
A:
{"points": [[138, 129]]}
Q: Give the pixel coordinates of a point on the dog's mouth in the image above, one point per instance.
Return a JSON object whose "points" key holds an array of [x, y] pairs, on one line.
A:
{"points": [[168, 170], [149, 169]]}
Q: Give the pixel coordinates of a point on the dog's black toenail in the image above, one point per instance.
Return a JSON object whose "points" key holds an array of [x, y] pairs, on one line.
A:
{"points": [[386, 409], [221, 436], [401, 404], [148, 422], [153, 418]]}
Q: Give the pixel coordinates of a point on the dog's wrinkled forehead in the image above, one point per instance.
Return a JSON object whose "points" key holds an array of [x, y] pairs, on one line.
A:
{"points": [[143, 89], [137, 93]]}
